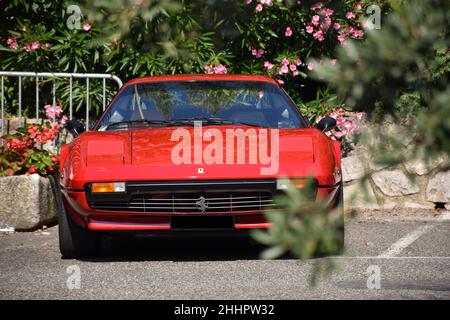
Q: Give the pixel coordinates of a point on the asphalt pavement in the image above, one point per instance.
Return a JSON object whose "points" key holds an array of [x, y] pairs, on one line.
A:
{"points": [[390, 255]]}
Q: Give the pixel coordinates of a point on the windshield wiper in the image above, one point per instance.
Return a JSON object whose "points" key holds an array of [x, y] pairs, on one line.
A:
{"points": [[133, 123], [208, 120], [218, 121]]}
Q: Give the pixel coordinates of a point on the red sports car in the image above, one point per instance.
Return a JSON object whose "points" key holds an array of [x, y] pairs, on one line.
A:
{"points": [[190, 152]]}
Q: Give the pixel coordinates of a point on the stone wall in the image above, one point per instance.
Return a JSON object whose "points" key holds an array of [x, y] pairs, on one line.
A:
{"points": [[415, 184]]}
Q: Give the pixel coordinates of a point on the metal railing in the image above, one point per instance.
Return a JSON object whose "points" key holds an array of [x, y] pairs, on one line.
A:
{"points": [[54, 75]]}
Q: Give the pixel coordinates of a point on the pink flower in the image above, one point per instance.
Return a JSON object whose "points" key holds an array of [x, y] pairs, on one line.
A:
{"points": [[341, 38], [358, 7], [48, 45], [283, 69], [357, 34], [336, 26], [35, 45], [326, 24], [350, 15], [310, 66], [257, 53], [309, 29], [339, 134], [268, 65], [326, 12], [293, 67], [64, 119], [298, 61], [295, 73], [288, 32], [317, 5], [52, 112], [248, 1], [123, 45], [315, 20], [280, 81], [27, 47], [208, 68], [220, 69], [333, 61], [259, 7], [319, 35], [87, 26], [285, 61], [12, 43]]}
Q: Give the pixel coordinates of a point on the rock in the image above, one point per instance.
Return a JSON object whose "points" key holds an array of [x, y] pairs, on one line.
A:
{"points": [[394, 183], [415, 205], [376, 166], [360, 196], [389, 204], [27, 201], [447, 206], [421, 167], [352, 168], [438, 188]]}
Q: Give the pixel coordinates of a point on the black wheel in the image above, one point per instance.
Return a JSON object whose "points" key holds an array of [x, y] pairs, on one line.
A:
{"points": [[76, 242]]}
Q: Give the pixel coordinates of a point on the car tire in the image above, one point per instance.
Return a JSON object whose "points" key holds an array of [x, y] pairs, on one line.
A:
{"points": [[76, 242], [340, 207]]}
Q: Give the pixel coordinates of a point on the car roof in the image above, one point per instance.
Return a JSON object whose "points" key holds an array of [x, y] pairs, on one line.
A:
{"points": [[202, 77]]}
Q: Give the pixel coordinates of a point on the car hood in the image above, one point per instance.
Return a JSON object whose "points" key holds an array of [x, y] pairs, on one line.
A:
{"points": [[148, 154], [181, 152]]}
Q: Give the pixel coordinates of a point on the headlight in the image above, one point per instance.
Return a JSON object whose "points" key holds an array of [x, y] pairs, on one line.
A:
{"points": [[108, 187]]}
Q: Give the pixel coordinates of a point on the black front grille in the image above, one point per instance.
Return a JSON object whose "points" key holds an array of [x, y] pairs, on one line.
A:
{"points": [[191, 202]]}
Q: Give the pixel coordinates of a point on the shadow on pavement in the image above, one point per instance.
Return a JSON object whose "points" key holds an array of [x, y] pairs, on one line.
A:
{"points": [[180, 248]]}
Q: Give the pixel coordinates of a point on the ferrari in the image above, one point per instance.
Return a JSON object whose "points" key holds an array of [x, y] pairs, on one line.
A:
{"points": [[190, 153]]}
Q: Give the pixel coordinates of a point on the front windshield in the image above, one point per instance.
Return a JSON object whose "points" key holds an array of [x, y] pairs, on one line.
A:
{"points": [[237, 102]]}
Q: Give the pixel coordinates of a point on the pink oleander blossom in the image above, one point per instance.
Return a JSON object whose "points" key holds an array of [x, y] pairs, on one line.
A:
{"points": [[87, 26], [268, 66], [309, 29], [288, 32], [284, 69], [35, 45], [53, 112], [315, 20], [317, 5], [350, 15]]}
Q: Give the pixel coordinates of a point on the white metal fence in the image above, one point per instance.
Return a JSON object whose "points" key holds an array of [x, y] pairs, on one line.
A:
{"points": [[55, 76]]}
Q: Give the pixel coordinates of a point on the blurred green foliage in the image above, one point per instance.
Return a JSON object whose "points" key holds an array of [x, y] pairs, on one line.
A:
{"points": [[134, 38], [401, 73]]}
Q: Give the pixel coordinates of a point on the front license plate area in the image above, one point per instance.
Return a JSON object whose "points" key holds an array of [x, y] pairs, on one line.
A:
{"points": [[202, 222]]}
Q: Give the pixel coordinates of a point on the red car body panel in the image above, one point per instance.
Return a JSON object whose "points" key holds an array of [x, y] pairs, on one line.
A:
{"points": [[145, 155]]}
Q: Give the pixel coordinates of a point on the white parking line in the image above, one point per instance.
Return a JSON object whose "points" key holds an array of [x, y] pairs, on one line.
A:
{"points": [[407, 240]]}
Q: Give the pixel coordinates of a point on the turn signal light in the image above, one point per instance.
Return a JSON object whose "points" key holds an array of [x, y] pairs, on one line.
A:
{"points": [[282, 184], [108, 187]]}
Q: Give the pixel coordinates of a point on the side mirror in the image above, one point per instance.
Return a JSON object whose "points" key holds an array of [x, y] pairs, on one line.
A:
{"points": [[75, 127], [326, 124]]}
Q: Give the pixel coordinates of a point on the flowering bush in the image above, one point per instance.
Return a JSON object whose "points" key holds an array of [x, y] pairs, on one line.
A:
{"points": [[347, 124], [23, 152]]}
